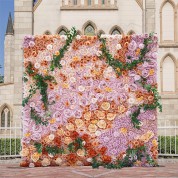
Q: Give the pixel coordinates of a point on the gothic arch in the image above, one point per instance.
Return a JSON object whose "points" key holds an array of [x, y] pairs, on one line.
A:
{"points": [[172, 57], [115, 27], [89, 22], [130, 32], [47, 32], [4, 106], [61, 28], [100, 32], [161, 19]]}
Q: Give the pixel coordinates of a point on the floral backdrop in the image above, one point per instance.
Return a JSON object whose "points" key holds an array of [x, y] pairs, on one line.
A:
{"points": [[90, 100]]}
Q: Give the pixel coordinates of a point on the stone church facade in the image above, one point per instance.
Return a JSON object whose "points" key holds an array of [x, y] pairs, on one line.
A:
{"points": [[91, 17]]}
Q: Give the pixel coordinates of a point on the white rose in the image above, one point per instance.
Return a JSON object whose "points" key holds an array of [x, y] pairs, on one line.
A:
{"points": [[62, 62], [51, 136], [78, 37], [63, 37], [109, 69], [89, 160], [93, 100], [32, 104], [99, 53], [58, 161], [49, 47], [51, 155], [81, 88], [31, 165], [48, 58], [72, 79], [37, 65], [118, 46], [97, 133]]}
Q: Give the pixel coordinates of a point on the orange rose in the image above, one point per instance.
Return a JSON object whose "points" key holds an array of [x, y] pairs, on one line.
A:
{"points": [[106, 159]]}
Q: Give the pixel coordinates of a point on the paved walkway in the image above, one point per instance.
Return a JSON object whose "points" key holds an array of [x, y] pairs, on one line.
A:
{"points": [[13, 170]]}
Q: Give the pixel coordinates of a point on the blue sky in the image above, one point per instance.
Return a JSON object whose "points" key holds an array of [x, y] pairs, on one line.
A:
{"points": [[6, 6]]}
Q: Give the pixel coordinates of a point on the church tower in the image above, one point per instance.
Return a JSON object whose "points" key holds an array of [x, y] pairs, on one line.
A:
{"points": [[8, 52], [23, 25]]}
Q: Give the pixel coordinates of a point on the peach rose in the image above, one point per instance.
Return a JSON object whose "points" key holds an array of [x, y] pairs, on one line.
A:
{"points": [[100, 114], [67, 140], [111, 116], [58, 161], [35, 157], [60, 132], [81, 152], [24, 152], [79, 123], [87, 115], [105, 106], [45, 162], [101, 124], [92, 128], [70, 127]]}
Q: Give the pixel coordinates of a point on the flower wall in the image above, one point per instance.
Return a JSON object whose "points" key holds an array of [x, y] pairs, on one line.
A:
{"points": [[90, 100]]}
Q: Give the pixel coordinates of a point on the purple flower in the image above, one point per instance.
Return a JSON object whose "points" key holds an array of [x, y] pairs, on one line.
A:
{"points": [[132, 45]]}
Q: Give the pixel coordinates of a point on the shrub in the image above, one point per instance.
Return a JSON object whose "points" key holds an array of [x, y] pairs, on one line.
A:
{"points": [[171, 142], [10, 146]]}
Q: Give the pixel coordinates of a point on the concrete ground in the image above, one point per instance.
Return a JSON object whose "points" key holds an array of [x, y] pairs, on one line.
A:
{"points": [[168, 168]]}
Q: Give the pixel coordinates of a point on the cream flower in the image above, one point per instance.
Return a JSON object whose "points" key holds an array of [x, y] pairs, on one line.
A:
{"points": [[35, 157], [31, 165], [49, 47], [51, 137], [98, 133], [111, 116], [81, 88], [101, 124], [72, 79], [92, 128], [123, 130], [45, 162], [79, 123], [70, 127], [154, 142], [78, 37], [118, 46], [24, 152], [81, 152], [58, 161], [37, 65], [89, 160], [93, 100], [67, 140], [105, 106]]}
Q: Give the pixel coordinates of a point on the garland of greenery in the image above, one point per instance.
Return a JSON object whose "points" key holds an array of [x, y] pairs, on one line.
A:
{"points": [[75, 145], [56, 58], [132, 155], [38, 120], [119, 67]]}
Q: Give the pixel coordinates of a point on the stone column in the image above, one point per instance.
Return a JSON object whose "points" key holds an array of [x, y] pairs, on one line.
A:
{"points": [[150, 16], [23, 25]]}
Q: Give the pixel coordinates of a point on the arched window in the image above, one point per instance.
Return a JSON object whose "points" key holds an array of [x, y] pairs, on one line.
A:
{"points": [[168, 75], [74, 2], [62, 32], [115, 32], [100, 32], [89, 30], [103, 2], [89, 2], [167, 15], [131, 32], [5, 117]]}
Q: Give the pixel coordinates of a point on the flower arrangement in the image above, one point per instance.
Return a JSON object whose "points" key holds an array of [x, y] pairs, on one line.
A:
{"points": [[90, 100]]}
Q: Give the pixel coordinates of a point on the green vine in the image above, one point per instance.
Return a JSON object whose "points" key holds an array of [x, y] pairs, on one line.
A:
{"points": [[56, 58], [132, 155], [38, 147], [54, 150], [115, 64], [75, 145], [37, 118]]}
